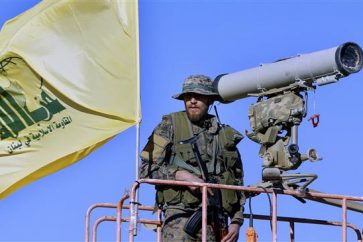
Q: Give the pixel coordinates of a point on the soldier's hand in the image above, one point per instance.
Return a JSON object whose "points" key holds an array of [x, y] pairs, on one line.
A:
{"points": [[233, 233], [183, 175]]}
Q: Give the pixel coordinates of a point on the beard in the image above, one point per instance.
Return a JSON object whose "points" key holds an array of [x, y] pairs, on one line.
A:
{"points": [[196, 115]]}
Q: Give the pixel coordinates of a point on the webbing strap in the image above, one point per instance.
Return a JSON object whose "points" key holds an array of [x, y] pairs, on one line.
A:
{"points": [[181, 121]]}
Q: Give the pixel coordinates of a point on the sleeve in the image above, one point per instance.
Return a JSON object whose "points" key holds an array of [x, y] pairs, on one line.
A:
{"points": [[156, 153]]}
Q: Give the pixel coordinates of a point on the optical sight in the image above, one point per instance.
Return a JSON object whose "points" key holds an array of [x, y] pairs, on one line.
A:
{"points": [[320, 68]]}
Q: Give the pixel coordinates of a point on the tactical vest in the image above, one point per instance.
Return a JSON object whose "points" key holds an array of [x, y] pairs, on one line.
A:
{"points": [[222, 166]]}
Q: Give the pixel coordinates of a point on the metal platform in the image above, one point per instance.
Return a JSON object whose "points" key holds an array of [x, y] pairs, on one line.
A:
{"points": [[133, 219]]}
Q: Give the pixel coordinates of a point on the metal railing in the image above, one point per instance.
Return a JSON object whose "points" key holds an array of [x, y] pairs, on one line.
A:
{"points": [[134, 207]]}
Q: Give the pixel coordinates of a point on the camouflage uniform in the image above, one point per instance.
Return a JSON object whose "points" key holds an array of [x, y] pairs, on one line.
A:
{"points": [[174, 229], [158, 162]]}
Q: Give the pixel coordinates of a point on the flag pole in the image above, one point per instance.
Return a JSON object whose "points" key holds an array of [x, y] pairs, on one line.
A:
{"points": [[136, 202], [137, 151], [134, 212]]}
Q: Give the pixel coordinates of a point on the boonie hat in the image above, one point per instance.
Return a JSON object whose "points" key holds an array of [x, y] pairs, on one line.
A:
{"points": [[199, 84]]}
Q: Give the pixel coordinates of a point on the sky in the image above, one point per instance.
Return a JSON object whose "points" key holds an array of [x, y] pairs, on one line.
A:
{"points": [[183, 37]]}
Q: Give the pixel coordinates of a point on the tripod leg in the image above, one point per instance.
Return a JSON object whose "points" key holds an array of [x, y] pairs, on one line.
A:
{"points": [[351, 205]]}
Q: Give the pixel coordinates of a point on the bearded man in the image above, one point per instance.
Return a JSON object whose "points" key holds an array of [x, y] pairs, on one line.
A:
{"points": [[166, 156]]}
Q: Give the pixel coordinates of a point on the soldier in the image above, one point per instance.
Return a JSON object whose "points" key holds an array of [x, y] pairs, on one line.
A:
{"points": [[164, 157]]}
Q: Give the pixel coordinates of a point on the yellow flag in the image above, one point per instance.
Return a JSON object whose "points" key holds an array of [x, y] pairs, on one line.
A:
{"points": [[69, 81]]}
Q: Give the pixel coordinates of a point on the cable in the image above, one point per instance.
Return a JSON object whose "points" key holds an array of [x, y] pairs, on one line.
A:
{"points": [[251, 213], [251, 234], [269, 200], [217, 115]]}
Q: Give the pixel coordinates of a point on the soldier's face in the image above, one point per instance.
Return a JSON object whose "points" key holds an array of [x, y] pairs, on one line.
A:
{"points": [[196, 106]]}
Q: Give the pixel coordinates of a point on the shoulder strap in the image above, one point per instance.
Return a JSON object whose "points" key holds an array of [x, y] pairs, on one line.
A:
{"points": [[182, 128], [216, 168]]}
